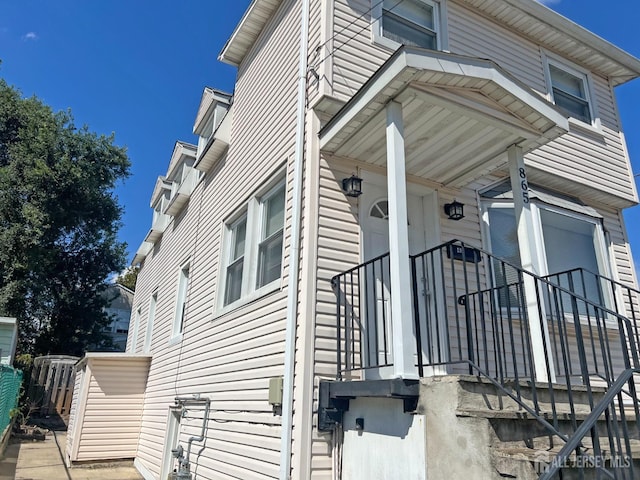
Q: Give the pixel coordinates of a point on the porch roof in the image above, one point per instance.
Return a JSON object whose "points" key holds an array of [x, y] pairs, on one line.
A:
{"points": [[460, 115]]}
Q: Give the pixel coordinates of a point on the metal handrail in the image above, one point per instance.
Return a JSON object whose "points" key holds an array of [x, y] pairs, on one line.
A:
{"points": [[488, 331], [589, 423]]}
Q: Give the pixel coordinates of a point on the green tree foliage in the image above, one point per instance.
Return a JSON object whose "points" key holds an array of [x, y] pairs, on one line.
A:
{"points": [[58, 225], [129, 277]]}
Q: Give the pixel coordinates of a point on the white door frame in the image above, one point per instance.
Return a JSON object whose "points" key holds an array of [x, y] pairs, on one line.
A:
{"points": [[427, 236], [170, 439]]}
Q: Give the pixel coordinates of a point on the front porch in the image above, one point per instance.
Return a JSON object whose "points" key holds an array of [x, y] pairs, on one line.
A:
{"points": [[470, 326], [561, 350]]}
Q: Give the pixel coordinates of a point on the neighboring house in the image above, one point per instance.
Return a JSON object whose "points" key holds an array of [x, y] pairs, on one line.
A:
{"points": [[120, 308], [8, 340], [386, 261]]}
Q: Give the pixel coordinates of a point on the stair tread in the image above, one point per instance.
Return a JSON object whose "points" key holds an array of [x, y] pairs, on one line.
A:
{"points": [[524, 415]]}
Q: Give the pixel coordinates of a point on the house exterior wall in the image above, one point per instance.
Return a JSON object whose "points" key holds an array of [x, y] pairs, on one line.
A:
{"points": [[591, 161], [228, 357], [595, 159]]}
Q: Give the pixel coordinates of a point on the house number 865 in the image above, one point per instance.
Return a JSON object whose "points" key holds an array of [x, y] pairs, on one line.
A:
{"points": [[524, 185]]}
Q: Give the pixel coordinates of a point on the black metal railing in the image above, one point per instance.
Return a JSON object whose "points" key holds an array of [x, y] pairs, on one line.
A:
{"points": [[364, 316], [617, 296], [478, 314]]}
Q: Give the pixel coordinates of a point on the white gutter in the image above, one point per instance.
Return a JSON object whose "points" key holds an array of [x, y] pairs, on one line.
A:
{"points": [[294, 256]]}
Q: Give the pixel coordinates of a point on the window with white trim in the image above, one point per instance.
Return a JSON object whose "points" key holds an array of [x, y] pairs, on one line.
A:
{"points": [[150, 321], [564, 241], [570, 90], [134, 333], [254, 247], [237, 236], [408, 22], [181, 301]]}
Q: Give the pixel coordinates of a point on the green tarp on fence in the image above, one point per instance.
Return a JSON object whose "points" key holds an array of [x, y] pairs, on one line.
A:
{"points": [[10, 381]]}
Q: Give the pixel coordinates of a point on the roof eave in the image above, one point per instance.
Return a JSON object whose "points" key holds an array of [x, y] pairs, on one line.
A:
{"points": [[555, 20], [247, 31]]}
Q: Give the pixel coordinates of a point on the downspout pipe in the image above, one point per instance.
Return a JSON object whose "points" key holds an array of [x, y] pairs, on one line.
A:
{"points": [[294, 256]]}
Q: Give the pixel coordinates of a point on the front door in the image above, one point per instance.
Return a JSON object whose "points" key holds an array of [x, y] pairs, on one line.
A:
{"points": [[377, 338]]}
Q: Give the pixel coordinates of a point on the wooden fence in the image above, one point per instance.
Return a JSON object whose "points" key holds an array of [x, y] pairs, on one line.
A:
{"points": [[51, 386]]}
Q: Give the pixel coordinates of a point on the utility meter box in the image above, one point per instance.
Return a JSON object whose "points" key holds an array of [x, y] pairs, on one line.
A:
{"points": [[275, 391]]}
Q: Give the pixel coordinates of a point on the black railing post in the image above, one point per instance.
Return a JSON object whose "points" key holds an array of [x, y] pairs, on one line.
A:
{"points": [[416, 316], [335, 283]]}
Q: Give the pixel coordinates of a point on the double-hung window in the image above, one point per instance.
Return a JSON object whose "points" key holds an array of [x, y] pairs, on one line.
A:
{"points": [[181, 301], [254, 247], [237, 239], [570, 91], [408, 22], [150, 321], [270, 248]]}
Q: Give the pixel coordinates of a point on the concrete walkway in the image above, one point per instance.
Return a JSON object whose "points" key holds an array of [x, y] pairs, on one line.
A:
{"points": [[37, 460]]}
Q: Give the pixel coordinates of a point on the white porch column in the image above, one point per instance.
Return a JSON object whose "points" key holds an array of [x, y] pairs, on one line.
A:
{"points": [[404, 342], [529, 258]]}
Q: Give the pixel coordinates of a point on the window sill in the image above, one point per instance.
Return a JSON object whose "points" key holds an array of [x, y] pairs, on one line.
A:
{"points": [[176, 339], [269, 289], [385, 42], [578, 127]]}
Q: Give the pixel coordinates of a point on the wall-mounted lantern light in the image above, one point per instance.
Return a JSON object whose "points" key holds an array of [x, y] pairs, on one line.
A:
{"points": [[352, 186], [454, 210]]}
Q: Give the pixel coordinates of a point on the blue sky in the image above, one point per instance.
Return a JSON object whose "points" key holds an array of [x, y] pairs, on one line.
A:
{"points": [[138, 68]]}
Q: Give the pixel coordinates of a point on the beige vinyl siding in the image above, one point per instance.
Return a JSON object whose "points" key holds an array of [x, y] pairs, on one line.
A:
{"points": [[355, 58], [73, 413], [228, 358], [108, 425], [338, 250], [595, 160]]}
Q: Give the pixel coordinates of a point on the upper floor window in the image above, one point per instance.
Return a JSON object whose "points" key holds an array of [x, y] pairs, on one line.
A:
{"points": [[237, 236], [270, 248], [254, 246], [570, 91], [408, 22], [150, 321], [133, 341], [181, 301]]}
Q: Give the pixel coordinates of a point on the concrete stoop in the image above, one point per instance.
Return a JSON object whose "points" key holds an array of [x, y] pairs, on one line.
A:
{"points": [[475, 431]]}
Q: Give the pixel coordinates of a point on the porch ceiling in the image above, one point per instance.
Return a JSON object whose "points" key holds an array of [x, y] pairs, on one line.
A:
{"points": [[460, 115]]}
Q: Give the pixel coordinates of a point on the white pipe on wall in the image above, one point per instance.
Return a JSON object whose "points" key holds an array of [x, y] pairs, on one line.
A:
{"points": [[292, 287]]}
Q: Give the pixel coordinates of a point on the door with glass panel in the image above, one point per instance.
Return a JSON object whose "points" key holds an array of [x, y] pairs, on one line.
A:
{"points": [[377, 337]]}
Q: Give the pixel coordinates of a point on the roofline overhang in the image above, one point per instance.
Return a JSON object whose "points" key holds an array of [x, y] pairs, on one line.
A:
{"points": [[567, 27], [247, 31], [211, 97], [384, 84], [182, 151], [162, 184], [260, 11], [117, 356]]}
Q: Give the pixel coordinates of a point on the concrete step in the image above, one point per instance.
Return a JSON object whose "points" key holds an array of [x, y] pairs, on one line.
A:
{"points": [[523, 461]]}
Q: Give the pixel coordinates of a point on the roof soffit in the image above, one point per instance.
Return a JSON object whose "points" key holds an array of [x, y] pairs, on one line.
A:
{"points": [[162, 185], [561, 35], [210, 99], [457, 110], [181, 153], [248, 30]]}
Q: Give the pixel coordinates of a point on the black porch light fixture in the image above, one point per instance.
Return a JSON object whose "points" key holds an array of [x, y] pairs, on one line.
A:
{"points": [[454, 210], [352, 186]]}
